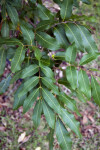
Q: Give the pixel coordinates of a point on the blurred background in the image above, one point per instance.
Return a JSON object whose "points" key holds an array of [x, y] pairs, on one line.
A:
{"points": [[16, 129]]}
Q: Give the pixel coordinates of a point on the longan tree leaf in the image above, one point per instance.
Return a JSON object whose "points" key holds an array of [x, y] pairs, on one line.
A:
{"points": [[70, 103], [4, 84], [84, 83], [70, 121], [61, 36], [49, 115], [81, 36], [18, 101], [70, 55], [51, 100], [47, 41], [2, 60], [11, 41], [95, 90], [28, 35], [47, 71], [29, 101], [63, 136], [51, 138], [29, 85], [66, 9], [18, 59], [37, 113], [49, 84], [29, 71], [88, 58], [16, 76], [44, 13], [5, 29], [71, 76], [12, 12]]}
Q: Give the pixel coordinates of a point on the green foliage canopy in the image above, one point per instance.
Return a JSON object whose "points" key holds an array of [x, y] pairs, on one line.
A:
{"points": [[29, 32]]}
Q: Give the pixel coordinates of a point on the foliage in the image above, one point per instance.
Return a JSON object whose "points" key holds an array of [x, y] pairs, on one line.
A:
{"points": [[30, 33]]}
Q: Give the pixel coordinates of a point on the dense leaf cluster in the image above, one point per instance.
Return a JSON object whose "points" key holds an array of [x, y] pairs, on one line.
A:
{"points": [[29, 34]]}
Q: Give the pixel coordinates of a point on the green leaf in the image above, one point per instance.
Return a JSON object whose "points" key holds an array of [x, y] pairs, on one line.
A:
{"points": [[70, 55], [81, 36], [29, 71], [47, 41], [44, 13], [37, 53], [66, 9], [16, 76], [61, 36], [28, 35], [45, 61], [4, 84], [18, 101], [86, 2], [63, 136], [49, 84], [84, 84], [49, 115], [64, 82], [12, 12], [71, 76], [5, 29], [44, 25], [28, 85], [3, 11], [10, 53], [2, 60], [88, 58], [51, 139], [59, 56], [70, 121], [95, 87], [18, 59], [47, 71], [51, 100], [70, 103], [37, 114], [29, 101], [81, 96], [10, 41]]}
